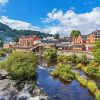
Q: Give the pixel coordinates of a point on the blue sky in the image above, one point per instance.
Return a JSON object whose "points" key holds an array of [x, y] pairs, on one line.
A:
{"points": [[33, 11]]}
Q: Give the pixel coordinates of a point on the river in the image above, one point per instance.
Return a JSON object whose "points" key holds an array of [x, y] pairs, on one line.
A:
{"points": [[59, 90]]}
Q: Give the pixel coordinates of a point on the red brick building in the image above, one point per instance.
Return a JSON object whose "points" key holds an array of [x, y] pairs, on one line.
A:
{"points": [[28, 40]]}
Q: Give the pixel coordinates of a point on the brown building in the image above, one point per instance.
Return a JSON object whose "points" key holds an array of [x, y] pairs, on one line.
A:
{"points": [[29, 40]]}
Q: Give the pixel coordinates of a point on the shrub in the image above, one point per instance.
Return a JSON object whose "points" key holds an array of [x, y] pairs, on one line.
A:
{"points": [[2, 54], [93, 70], [83, 59], [74, 58], [64, 72], [79, 66], [82, 80], [62, 59], [77, 74], [92, 86], [97, 95], [51, 54]]}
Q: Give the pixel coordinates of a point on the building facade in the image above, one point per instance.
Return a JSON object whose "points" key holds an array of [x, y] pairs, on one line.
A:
{"points": [[93, 37], [29, 40]]}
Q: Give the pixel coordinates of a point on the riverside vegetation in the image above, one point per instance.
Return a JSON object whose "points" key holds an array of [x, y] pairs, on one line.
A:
{"points": [[21, 66]]}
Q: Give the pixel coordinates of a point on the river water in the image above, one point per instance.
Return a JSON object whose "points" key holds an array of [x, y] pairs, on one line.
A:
{"points": [[59, 90]]}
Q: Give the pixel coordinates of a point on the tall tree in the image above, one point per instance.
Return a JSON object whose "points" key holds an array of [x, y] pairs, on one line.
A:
{"points": [[75, 33]]}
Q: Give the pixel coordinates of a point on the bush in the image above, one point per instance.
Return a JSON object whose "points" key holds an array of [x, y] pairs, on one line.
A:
{"points": [[6, 50], [92, 86], [83, 59], [79, 66], [77, 74], [82, 80], [64, 72], [74, 58], [20, 65], [93, 70], [62, 59], [51, 54], [2, 54], [97, 95]]}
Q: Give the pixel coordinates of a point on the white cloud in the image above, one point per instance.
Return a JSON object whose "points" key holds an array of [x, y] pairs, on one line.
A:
{"points": [[16, 24], [2, 2], [86, 22]]}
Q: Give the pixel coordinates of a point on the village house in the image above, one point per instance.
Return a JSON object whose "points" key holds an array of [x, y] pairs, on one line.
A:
{"points": [[29, 40]]}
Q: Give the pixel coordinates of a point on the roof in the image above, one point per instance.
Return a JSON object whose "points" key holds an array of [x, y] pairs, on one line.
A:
{"points": [[67, 39], [62, 44], [49, 41]]}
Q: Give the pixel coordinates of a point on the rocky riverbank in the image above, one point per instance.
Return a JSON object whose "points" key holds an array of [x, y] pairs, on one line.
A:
{"points": [[7, 90]]}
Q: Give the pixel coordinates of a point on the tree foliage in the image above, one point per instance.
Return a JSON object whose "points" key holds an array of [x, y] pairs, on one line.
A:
{"points": [[20, 65], [75, 33]]}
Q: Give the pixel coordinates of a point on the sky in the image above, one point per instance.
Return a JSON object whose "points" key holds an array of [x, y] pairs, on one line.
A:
{"points": [[51, 16]]}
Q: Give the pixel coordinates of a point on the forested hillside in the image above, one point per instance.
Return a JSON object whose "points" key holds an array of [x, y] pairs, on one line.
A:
{"points": [[6, 31]]}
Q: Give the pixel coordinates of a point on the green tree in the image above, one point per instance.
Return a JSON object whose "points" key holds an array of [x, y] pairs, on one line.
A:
{"points": [[75, 33], [96, 51], [21, 65], [56, 36]]}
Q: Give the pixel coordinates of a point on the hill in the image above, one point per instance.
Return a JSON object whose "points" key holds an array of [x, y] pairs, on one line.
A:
{"points": [[6, 31]]}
